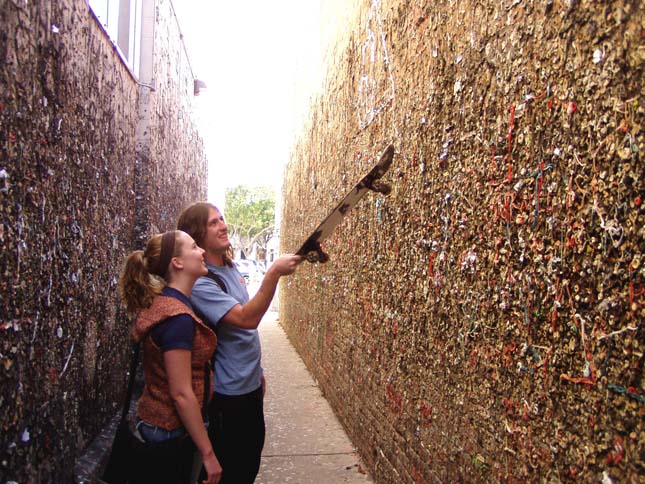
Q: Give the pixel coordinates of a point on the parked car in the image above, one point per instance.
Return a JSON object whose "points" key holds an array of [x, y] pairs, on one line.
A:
{"points": [[260, 266], [247, 269]]}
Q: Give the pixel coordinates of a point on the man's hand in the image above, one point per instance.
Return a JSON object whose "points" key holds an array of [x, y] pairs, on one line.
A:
{"points": [[286, 264]]}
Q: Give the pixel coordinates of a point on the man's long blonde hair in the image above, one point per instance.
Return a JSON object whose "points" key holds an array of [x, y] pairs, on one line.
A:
{"points": [[194, 221]]}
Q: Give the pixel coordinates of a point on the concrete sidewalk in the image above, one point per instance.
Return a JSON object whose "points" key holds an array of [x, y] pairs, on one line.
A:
{"points": [[305, 442]]}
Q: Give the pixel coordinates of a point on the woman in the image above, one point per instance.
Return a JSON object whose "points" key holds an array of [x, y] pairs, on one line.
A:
{"points": [[177, 346]]}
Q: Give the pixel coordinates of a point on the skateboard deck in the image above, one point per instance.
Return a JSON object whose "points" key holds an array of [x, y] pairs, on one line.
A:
{"points": [[311, 249]]}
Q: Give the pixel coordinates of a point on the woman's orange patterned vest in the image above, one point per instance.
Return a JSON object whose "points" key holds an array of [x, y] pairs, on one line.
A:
{"points": [[155, 405]]}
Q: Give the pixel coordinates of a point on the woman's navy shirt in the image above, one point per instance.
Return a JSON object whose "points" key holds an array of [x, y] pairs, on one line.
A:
{"points": [[176, 332]]}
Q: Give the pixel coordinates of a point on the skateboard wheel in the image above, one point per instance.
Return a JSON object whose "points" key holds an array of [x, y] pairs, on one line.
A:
{"points": [[317, 256]]}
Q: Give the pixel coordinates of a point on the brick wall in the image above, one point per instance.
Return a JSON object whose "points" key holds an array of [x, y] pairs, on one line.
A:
{"points": [[483, 323], [70, 158]]}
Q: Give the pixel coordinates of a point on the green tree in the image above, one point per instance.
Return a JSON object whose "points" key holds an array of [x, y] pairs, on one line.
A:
{"points": [[250, 216]]}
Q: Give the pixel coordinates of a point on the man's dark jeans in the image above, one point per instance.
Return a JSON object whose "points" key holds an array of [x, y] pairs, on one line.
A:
{"points": [[237, 433]]}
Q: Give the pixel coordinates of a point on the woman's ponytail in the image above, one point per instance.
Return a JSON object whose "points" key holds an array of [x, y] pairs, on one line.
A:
{"points": [[143, 274], [137, 286]]}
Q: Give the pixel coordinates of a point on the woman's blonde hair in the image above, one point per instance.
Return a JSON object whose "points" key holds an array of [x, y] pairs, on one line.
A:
{"points": [[138, 285]]}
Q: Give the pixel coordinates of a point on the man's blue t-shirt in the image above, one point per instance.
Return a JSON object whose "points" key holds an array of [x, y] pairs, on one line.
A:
{"points": [[237, 359]]}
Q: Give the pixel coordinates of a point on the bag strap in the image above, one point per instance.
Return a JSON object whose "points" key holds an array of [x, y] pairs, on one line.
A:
{"points": [[133, 369], [211, 275], [207, 381]]}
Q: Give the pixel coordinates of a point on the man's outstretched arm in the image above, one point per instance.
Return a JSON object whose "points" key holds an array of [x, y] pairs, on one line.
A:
{"points": [[249, 315]]}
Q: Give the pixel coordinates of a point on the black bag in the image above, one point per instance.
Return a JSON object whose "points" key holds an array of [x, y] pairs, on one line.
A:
{"points": [[134, 461], [120, 463]]}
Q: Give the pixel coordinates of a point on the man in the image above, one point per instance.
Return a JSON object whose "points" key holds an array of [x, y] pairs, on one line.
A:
{"points": [[236, 412]]}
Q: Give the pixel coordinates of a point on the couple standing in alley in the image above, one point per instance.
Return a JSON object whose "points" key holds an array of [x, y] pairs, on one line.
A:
{"points": [[189, 298]]}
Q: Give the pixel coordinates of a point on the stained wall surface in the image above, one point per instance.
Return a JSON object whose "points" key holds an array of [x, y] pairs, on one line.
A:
{"points": [[484, 322], [170, 149], [74, 183]]}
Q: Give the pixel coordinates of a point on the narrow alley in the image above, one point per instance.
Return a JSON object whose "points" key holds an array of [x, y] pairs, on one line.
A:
{"points": [[305, 441], [481, 322]]}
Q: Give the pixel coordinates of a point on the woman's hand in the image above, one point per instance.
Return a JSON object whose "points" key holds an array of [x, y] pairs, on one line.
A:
{"points": [[213, 469]]}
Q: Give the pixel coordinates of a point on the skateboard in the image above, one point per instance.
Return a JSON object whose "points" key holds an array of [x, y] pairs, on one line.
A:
{"points": [[311, 249]]}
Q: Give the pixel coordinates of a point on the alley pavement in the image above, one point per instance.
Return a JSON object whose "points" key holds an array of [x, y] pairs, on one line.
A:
{"points": [[305, 442]]}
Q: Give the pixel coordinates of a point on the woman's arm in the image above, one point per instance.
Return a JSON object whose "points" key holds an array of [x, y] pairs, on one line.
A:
{"points": [[177, 364]]}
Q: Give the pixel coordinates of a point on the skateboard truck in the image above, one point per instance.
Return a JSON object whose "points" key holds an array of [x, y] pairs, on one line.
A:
{"points": [[313, 253], [379, 186]]}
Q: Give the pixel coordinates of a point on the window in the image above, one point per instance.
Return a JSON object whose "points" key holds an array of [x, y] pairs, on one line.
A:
{"points": [[121, 20]]}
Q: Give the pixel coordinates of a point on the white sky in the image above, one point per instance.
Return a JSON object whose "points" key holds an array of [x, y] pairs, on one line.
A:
{"points": [[248, 53]]}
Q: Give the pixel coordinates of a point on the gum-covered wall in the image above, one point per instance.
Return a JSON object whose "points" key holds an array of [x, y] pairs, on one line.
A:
{"points": [[80, 186], [170, 149], [484, 322]]}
